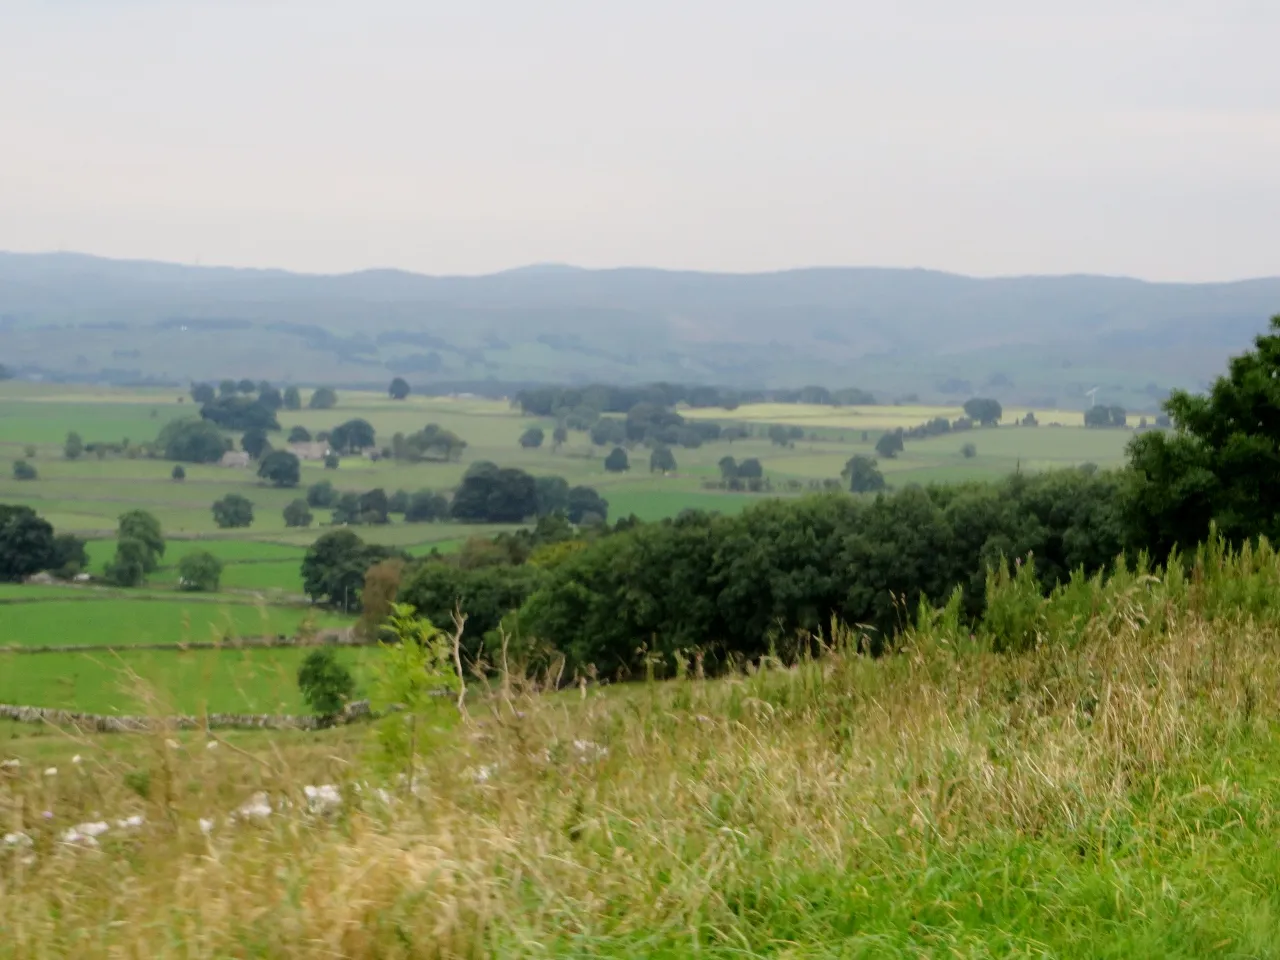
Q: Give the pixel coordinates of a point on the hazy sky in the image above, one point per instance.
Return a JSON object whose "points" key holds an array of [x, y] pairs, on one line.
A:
{"points": [[1115, 136]]}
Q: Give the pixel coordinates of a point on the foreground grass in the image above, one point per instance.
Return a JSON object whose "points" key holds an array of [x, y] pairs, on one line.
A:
{"points": [[1112, 799]]}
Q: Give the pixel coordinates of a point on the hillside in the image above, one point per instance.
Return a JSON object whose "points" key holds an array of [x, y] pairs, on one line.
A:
{"points": [[894, 331]]}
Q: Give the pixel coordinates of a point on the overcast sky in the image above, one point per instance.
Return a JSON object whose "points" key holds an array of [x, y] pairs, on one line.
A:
{"points": [[1133, 137]]}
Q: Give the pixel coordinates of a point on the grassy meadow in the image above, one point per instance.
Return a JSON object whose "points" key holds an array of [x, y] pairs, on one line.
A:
{"points": [[261, 585], [1109, 793]]}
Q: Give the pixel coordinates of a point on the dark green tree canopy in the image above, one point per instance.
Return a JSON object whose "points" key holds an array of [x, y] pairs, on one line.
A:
{"points": [[199, 571], [352, 436], [334, 567], [399, 388], [191, 441], [324, 398], [616, 461], [532, 438], [890, 444], [143, 527], [26, 543], [491, 494], [280, 468], [425, 507], [661, 459], [552, 495], [255, 443], [297, 514], [203, 393], [292, 398], [587, 506], [232, 511], [1221, 461], [321, 494], [863, 475], [239, 413], [299, 434], [325, 684], [983, 410]]}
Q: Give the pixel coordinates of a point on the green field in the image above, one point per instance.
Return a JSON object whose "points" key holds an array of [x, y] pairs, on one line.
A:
{"points": [[122, 621], [162, 681], [262, 578]]}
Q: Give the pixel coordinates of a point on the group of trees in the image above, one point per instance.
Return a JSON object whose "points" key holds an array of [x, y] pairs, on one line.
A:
{"points": [[1105, 416], [591, 401], [432, 442], [266, 395], [139, 547], [28, 545]]}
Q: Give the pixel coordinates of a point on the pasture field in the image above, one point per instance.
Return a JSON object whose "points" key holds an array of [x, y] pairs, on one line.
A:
{"points": [[123, 621], [127, 681]]}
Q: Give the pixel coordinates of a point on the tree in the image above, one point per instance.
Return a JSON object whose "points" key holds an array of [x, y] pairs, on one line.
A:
{"points": [[983, 410], [532, 438], [608, 430], [297, 514], [325, 684], [24, 471], [662, 459], [331, 461], [552, 495], [239, 413], [69, 556], [299, 435], [281, 468], [334, 567], [968, 451], [863, 475], [1104, 416], [352, 436], [373, 507], [399, 389], [381, 585], [485, 594], [129, 566], [1030, 419], [586, 506], [346, 510], [559, 436], [269, 396], [616, 461], [247, 386], [750, 469], [890, 444], [203, 393], [232, 510], [74, 447], [323, 398], [321, 494], [254, 443], [191, 441], [489, 494], [292, 398], [728, 468], [143, 527], [1219, 462], [398, 502], [26, 543], [227, 388], [178, 473], [425, 506], [431, 442], [199, 571]]}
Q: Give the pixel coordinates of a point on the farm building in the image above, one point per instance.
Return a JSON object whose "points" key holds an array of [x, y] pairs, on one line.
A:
{"points": [[234, 458], [315, 450]]}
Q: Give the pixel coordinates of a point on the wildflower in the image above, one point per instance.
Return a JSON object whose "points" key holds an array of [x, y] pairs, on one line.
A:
{"points": [[211, 745], [206, 826], [10, 764], [484, 773], [17, 840], [51, 772], [587, 750], [85, 834], [76, 759], [256, 807], [323, 799], [48, 814], [129, 823]]}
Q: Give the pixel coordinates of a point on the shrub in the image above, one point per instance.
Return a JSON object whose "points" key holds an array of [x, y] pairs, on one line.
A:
{"points": [[231, 511], [326, 685], [23, 470], [199, 571], [178, 473], [297, 514], [968, 451]]}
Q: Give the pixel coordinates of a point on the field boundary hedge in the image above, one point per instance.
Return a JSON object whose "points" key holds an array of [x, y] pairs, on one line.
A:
{"points": [[101, 723]]}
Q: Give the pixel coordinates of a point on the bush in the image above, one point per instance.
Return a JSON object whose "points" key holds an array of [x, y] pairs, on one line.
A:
{"points": [[331, 462], [178, 473], [199, 571], [326, 685], [616, 461], [968, 451], [129, 566], [23, 470]]}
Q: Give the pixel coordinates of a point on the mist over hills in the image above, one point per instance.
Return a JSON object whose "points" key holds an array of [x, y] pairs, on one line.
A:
{"points": [[895, 331]]}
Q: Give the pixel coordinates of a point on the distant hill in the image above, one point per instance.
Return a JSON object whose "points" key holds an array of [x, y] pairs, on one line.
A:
{"points": [[893, 331]]}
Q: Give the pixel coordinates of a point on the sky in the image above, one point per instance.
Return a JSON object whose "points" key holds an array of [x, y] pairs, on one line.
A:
{"points": [[990, 137]]}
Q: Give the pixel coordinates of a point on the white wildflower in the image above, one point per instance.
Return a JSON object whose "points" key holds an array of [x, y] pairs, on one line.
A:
{"points": [[256, 807], [130, 823], [94, 828], [323, 799], [76, 759], [17, 840], [588, 750], [10, 765], [206, 826], [483, 774], [85, 834], [384, 796], [211, 745], [51, 772]]}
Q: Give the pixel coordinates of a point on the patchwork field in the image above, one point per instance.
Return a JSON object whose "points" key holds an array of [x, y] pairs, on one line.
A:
{"points": [[261, 584]]}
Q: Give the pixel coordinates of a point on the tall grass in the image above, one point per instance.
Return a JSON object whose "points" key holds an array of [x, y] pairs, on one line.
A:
{"points": [[1085, 775]]}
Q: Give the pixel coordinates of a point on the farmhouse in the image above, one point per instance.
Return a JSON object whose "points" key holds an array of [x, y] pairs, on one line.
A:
{"points": [[234, 458], [315, 450]]}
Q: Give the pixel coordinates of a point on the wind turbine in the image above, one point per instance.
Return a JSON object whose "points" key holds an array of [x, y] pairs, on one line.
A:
{"points": [[1093, 397]]}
